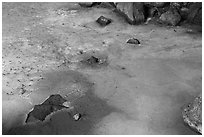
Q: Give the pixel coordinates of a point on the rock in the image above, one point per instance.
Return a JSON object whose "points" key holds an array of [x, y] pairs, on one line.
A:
{"points": [[163, 10], [156, 4], [133, 12], [138, 12], [171, 17], [153, 12], [195, 13], [50, 105], [126, 10], [184, 13], [192, 114], [103, 21], [133, 41], [176, 4], [88, 4], [77, 117], [109, 5], [94, 60]]}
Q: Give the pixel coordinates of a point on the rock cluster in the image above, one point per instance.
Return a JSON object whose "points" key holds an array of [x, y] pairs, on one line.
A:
{"points": [[170, 13]]}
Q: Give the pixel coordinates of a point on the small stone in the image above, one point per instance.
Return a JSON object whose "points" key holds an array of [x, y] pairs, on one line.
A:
{"points": [[103, 21], [67, 104], [77, 116], [133, 41]]}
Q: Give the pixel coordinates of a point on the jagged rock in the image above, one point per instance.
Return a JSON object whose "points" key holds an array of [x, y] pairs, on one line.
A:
{"points": [[103, 21], [133, 12], [50, 105], [138, 12], [192, 114], [195, 13], [171, 17], [126, 9]]}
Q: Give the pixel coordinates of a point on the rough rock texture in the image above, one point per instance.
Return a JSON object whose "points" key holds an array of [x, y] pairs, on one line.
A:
{"points": [[170, 17], [184, 13], [195, 13], [103, 21], [138, 12], [133, 12], [192, 114], [86, 4], [50, 105]]}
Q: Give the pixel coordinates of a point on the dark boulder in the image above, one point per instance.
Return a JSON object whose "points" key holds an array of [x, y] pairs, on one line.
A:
{"points": [[103, 21]]}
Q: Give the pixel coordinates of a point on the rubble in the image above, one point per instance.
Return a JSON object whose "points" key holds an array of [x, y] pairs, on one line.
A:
{"points": [[170, 13]]}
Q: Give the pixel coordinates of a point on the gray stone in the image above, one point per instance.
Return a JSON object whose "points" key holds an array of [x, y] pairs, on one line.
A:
{"points": [[171, 17], [103, 21], [133, 12], [133, 41], [86, 4], [195, 13]]}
